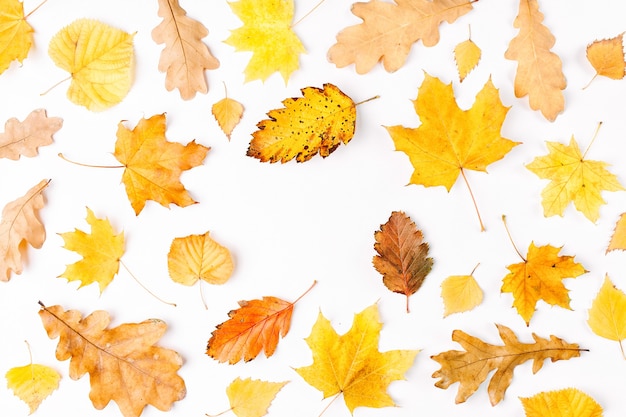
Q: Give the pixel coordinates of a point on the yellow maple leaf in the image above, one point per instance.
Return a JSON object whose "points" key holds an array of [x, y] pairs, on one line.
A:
{"points": [[351, 364], [228, 113], [267, 33], [460, 293], [568, 402], [572, 179], [252, 397], [101, 251], [317, 122], [153, 165], [607, 315], [539, 72], [99, 59], [469, 139], [32, 383], [618, 239], [607, 58], [16, 35]]}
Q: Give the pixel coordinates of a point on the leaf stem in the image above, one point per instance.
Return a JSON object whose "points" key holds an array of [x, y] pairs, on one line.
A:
{"points": [[88, 165], [480, 220], [474, 270], [590, 81], [511, 239], [366, 100], [306, 292], [143, 286], [35, 9], [307, 13], [329, 404], [595, 135], [55, 85], [202, 298], [621, 347], [219, 414]]}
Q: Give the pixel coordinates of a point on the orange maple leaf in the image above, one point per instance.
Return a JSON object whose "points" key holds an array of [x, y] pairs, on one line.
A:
{"points": [[153, 164]]}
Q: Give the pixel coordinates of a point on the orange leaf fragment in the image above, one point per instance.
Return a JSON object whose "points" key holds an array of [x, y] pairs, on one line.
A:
{"points": [[618, 240], [402, 255], [25, 138], [607, 57]]}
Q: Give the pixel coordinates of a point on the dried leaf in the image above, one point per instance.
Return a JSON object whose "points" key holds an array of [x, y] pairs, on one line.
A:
{"points": [[25, 138], [390, 29], [20, 226], [252, 397], [472, 367], [402, 255], [607, 57], [460, 293], [352, 365], [101, 251], [228, 113], [99, 59], [540, 277], [154, 165], [618, 240], [466, 55], [569, 402], [607, 315], [317, 122], [267, 33], [185, 57], [16, 35], [539, 71], [124, 363], [32, 383], [572, 179]]}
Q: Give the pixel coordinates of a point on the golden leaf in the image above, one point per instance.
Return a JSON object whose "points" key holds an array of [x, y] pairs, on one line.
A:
{"points": [[252, 397], [16, 35], [185, 56], [618, 239], [607, 57], [24, 138], [352, 365], [32, 383], [568, 402], [607, 315], [101, 251], [317, 122], [460, 293], [267, 33], [99, 59], [466, 55], [539, 73]]}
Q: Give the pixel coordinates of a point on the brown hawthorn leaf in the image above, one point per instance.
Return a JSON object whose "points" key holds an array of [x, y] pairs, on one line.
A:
{"points": [[185, 56], [24, 138], [471, 367], [20, 225], [124, 363], [402, 255]]}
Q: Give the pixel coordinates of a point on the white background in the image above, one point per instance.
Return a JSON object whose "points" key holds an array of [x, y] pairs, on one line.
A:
{"points": [[288, 225]]}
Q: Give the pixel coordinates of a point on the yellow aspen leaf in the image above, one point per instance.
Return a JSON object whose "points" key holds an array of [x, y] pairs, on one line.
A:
{"points": [[568, 402], [572, 179], [607, 315], [153, 165], [352, 365], [252, 397], [16, 35], [25, 138], [32, 383], [124, 363], [185, 56], [540, 277], [389, 30], [267, 33], [469, 139], [101, 251], [466, 55], [99, 59], [21, 226], [460, 293], [228, 113], [472, 367], [607, 57], [317, 122], [618, 239], [539, 71]]}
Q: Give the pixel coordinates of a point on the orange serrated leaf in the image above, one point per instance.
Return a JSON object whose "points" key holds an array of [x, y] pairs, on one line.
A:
{"points": [[466, 55], [25, 138], [607, 57], [228, 113]]}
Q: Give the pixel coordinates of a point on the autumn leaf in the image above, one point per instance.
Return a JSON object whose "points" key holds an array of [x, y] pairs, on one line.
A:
{"points": [[318, 122], [539, 71], [267, 32], [185, 56], [607, 58], [16, 35], [21, 226], [25, 138], [251, 397], [153, 165], [468, 139], [402, 255], [471, 367], [228, 113], [607, 315], [124, 363], [568, 402], [255, 326], [460, 293], [618, 239], [351, 364], [101, 251], [572, 179], [99, 59], [466, 55], [389, 30]]}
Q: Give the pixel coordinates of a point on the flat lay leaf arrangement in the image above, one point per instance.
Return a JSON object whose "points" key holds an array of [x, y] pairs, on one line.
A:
{"points": [[130, 150]]}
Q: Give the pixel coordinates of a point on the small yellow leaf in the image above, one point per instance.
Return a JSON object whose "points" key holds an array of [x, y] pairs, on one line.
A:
{"points": [[228, 113], [569, 402], [466, 54], [607, 57], [99, 59], [16, 35], [607, 315], [32, 383], [618, 240], [460, 293], [252, 397]]}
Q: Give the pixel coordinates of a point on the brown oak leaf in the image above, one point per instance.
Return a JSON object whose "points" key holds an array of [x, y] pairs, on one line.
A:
{"points": [[24, 138]]}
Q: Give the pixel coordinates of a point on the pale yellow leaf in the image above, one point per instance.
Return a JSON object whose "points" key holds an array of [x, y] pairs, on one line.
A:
{"points": [[607, 315], [252, 397], [568, 402], [228, 113], [32, 383], [466, 55], [460, 293]]}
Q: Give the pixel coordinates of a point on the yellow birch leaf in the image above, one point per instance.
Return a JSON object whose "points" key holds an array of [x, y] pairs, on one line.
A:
{"points": [[618, 240], [466, 55], [16, 35], [267, 33], [101, 251], [252, 397], [568, 402], [32, 383], [607, 57], [607, 315], [228, 113], [99, 59], [460, 293]]}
